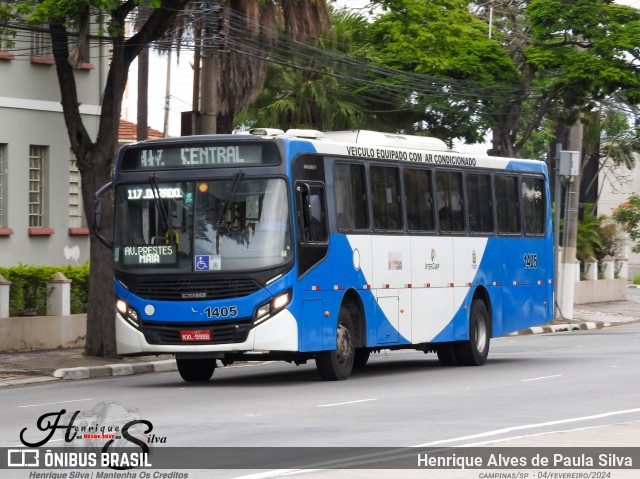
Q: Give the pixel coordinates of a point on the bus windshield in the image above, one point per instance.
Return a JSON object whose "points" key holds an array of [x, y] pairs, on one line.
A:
{"points": [[235, 224]]}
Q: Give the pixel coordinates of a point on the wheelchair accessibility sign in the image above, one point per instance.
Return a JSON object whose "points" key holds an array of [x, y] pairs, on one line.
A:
{"points": [[207, 262]]}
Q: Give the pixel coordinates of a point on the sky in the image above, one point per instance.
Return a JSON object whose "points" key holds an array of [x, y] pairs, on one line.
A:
{"points": [[181, 84]]}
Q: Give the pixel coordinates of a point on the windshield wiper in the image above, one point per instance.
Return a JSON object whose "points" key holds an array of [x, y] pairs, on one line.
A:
{"points": [[164, 215], [227, 201]]}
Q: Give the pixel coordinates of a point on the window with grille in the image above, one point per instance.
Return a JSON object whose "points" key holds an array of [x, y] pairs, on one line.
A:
{"points": [[3, 214], [37, 156], [75, 195], [41, 44]]}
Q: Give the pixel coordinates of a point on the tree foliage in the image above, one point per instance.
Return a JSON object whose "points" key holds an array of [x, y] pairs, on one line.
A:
{"points": [[627, 215], [303, 92], [250, 31], [443, 41], [95, 155], [546, 60]]}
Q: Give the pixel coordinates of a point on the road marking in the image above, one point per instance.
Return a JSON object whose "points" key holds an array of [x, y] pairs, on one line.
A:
{"points": [[58, 402], [403, 451], [497, 432], [541, 377], [348, 402]]}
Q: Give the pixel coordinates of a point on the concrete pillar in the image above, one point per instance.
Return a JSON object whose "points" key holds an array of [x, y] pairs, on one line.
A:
{"points": [[622, 268], [59, 300], [4, 297], [591, 269], [608, 266]]}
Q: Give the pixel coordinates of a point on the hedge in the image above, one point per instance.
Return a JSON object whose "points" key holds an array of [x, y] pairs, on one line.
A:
{"points": [[30, 288]]}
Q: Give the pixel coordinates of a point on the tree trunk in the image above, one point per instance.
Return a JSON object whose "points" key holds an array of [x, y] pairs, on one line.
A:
{"points": [[100, 339], [225, 122]]}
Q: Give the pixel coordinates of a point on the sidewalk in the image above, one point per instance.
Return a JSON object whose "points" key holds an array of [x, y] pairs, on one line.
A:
{"points": [[54, 365]]}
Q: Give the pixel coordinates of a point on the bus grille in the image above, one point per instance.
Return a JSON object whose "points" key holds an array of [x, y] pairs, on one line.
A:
{"points": [[222, 332], [194, 289]]}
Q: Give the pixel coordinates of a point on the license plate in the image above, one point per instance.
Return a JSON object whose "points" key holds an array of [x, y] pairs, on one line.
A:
{"points": [[196, 335]]}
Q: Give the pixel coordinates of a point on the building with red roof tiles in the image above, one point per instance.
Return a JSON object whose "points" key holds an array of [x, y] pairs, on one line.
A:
{"points": [[127, 132]]}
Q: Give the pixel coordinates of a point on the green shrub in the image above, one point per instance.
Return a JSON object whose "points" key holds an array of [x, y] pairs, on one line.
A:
{"points": [[30, 288], [636, 280]]}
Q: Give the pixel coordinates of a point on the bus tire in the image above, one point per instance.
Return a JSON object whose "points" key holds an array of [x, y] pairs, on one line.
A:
{"points": [[196, 369], [361, 357], [474, 351], [336, 364]]}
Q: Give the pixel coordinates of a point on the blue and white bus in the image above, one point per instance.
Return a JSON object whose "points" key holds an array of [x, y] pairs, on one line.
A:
{"points": [[326, 246]]}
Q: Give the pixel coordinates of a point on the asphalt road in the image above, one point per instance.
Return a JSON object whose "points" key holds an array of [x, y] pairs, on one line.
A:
{"points": [[541, 388]]}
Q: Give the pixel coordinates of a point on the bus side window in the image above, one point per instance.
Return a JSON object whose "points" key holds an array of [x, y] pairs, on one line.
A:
{"points": [[534, 208], [417, 187], [450, 201], [350, 196], [507, 204], [385, 196], [479, 203]]}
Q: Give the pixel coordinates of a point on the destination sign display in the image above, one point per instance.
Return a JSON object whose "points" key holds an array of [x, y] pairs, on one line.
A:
{"points": [[198, 155], [151, 255]]}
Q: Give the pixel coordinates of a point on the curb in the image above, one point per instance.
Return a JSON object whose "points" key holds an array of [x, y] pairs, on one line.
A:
{"points": [[557, 328], [116, 370]]}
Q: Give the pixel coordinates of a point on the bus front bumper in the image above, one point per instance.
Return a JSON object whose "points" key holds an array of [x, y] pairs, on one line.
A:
{"points": [[278, 333]]}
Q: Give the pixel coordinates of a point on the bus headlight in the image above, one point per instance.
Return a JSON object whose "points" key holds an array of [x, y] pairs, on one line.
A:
{"points": [[268, 309], [130, 314]]}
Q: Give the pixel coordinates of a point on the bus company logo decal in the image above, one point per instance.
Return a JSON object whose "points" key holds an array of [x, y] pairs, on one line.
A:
{"points": [[109, 435], [432, 265], [474, 260], [394, 261]]}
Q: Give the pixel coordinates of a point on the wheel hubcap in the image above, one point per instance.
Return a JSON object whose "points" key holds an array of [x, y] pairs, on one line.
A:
{"points": [[481, 334], [344, 347]]}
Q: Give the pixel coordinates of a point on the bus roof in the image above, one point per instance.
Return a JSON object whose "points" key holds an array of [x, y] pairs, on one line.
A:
{"points": [[368, 137]]}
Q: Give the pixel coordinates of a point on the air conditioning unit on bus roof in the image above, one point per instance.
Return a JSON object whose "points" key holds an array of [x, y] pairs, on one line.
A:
{"points": [[362, 137], [376, 138]]}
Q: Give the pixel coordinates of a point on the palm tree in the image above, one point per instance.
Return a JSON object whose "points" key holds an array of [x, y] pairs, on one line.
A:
{"points": [[249, 31], [303, 92]]}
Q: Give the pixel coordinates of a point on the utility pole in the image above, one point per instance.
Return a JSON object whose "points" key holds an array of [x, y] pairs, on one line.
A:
{"points": [[567, 270], [195, 110], [213, 42], [209, 91], [167, 96], [144, 13]]}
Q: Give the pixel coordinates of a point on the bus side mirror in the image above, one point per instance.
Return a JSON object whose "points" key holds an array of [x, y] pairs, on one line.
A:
{"points": [[98, 211]]}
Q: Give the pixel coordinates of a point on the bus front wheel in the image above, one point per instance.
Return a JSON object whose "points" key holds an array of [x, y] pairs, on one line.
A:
{"points": [[475, 350], [336, 364], [196, 369]]}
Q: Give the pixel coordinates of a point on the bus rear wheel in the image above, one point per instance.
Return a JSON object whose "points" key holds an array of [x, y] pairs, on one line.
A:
{"points": [[474, 351], [196, 369], [336, 364]]}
